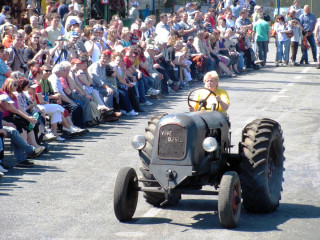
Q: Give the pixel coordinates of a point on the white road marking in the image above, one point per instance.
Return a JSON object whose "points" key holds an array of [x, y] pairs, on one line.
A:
{"points": [[130, 234], [298, 77], [151, 213]]}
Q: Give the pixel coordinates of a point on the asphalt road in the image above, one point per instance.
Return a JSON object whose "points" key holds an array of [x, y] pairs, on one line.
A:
{"points": [[68, 194]]}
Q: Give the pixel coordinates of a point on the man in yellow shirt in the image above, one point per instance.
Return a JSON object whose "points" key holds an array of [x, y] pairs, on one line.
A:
{"points": [[221, 100]]}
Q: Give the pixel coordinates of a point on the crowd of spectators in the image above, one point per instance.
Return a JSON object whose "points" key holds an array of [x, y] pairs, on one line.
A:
{"points": [[58, 74]]}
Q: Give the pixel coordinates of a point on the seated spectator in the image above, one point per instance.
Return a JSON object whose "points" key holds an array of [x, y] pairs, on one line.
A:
{"points": [[100, 82], [14, 115], [75, 110], [125, 37], [59, 52], [53, 31], [33, 50], [21, 149], [49, 94]]}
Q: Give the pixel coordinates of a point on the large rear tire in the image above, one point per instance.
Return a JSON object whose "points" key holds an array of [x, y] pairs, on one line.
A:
{"points": [[229, 200], [125, 196], [261, 168], [152, 198]]}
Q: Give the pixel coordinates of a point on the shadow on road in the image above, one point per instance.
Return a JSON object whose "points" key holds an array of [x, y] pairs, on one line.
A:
{"points": [[248, 222]]}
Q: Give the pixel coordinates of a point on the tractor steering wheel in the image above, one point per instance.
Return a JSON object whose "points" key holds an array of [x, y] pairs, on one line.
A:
{"points": [[203, 102]]}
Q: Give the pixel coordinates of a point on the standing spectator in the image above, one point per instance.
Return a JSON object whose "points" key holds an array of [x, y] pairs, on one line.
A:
{"points": [[283, 43], [4, 70], [317, 33], [33, 51], [53, 31], [308, 22], [296, 7], [6, 10], [262, 33], [15, 60], [95, 45], [235, 8], [188, 29], [168, 5], [34, 22], [243, 22], [250, 7], [295, 27], [134, 38], [7, 40], [63, 9]]}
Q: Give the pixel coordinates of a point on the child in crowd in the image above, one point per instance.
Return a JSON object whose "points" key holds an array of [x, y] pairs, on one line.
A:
{"points": [[295, 41]]}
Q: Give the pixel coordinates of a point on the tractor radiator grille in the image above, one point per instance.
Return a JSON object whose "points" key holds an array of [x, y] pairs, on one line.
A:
{"points": [[172, 142]]}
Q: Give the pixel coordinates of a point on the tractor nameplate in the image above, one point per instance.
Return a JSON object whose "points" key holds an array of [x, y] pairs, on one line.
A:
{"points": [[172, 142]]}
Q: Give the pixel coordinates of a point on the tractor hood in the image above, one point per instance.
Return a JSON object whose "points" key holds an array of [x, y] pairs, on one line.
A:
{"points": [[178, 151]]}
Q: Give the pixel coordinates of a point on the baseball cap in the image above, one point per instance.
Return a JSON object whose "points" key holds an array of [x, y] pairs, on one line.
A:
{"points": [[73, 21], [134, 26], [190, 38], [108, 52], [5, 98], [76, 61], [6, 8], [74, 34], [189, 5]]}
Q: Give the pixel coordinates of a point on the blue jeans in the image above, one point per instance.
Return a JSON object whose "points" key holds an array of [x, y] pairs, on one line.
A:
{"points": [[211, 65], [141, 90], [20, 147], [262, 49], [283, 49], [313, 46], [240, 61]]}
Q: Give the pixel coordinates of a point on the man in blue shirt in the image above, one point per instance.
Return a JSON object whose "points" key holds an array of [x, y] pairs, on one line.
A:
{"points": [[308, 22]]}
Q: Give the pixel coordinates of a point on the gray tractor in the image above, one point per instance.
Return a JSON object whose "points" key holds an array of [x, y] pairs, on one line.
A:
{"points": [[181, 153]]}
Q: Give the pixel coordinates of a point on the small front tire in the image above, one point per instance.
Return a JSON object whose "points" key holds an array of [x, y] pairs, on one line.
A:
{"points": [[229, 200], [125, 196]]}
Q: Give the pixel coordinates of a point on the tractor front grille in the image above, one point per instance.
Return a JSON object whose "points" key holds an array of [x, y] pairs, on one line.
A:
{"points": [[172, 142]]}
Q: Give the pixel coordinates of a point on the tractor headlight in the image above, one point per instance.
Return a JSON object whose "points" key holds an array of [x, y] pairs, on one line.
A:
{"points": [[210, 144], [138, 142]]}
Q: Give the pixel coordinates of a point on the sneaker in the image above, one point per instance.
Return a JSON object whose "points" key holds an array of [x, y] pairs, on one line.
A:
{"points": [[78, 130], [296, 64], [25, 164], [49, 137], [132, 113], [277, 64], [152, 91], [1, 174], [70, 131], [147, 103], [60, 138], [2, 169], [123, 111]]}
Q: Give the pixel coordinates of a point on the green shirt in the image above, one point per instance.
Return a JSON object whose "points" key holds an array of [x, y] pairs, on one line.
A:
{"points": [[261, 28]]}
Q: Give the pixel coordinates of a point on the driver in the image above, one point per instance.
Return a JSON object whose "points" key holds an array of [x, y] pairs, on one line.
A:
{"points": [[221, 99]]}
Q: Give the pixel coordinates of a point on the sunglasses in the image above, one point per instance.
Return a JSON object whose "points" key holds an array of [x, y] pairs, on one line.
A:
{"points": [[15, 85], [36, 37], [47, 70]]}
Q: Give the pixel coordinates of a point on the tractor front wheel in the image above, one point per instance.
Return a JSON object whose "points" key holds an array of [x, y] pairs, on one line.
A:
{"points": [[125, 196], [229, 200]]}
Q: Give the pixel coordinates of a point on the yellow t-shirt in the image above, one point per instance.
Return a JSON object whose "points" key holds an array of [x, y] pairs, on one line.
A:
{"points": [[202, 94]]}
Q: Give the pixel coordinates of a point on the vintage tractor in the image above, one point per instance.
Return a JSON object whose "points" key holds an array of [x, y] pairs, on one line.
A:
{"points": [[181, 153]]}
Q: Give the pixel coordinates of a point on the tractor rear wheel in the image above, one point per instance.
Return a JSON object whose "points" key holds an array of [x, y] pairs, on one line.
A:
{"points": [[261, 168], [152, 198], [125, 196], [229, 200]]}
